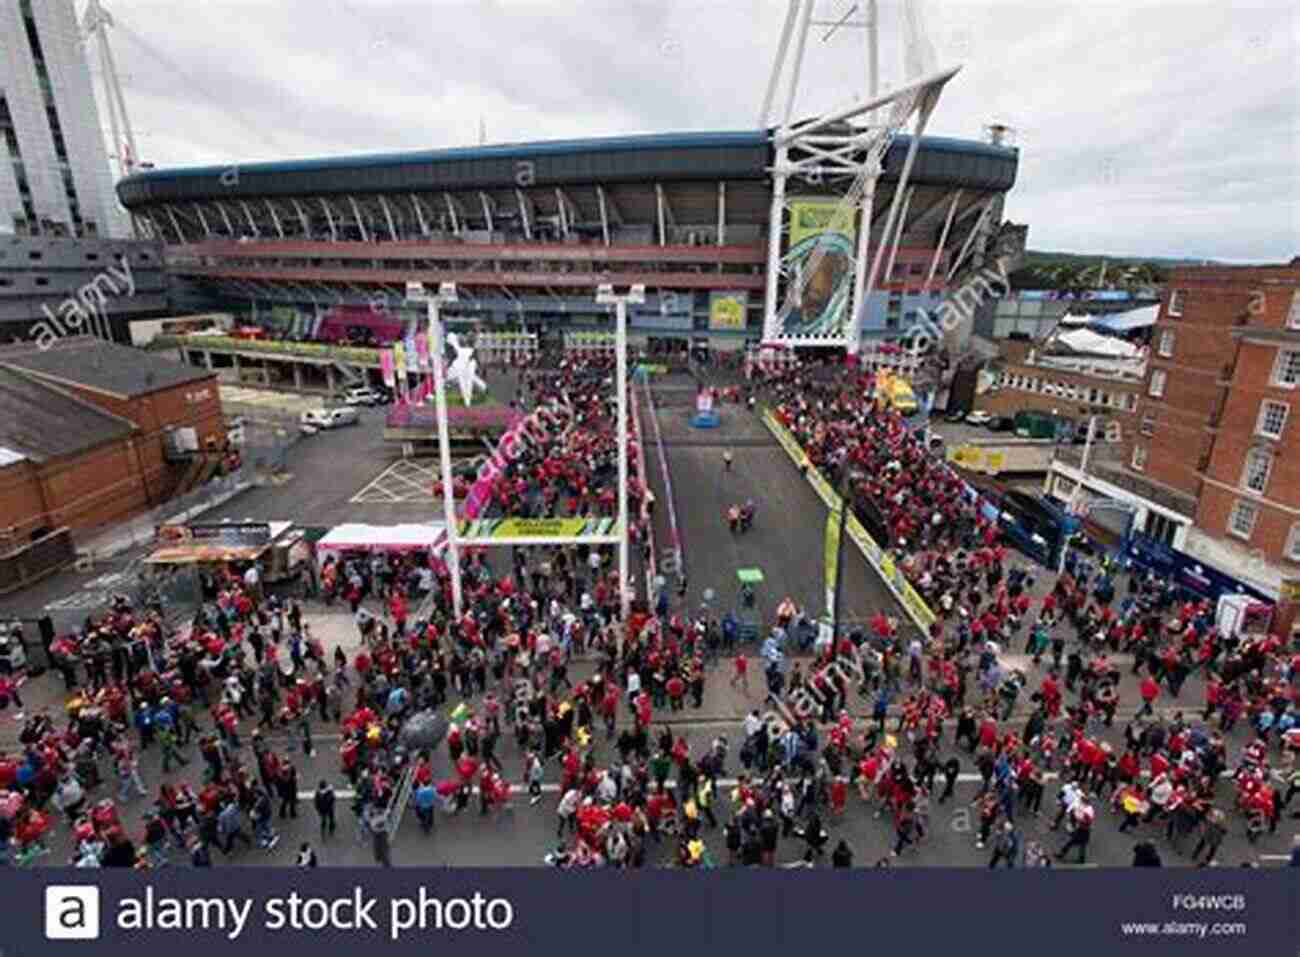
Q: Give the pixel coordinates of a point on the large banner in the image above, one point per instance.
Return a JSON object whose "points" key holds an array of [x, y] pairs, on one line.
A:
{"points": [[818, 265], [536, 527], [727, 309]]}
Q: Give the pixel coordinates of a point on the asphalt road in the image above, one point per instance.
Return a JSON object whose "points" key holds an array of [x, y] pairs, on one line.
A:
{"points": [[787, 539]]}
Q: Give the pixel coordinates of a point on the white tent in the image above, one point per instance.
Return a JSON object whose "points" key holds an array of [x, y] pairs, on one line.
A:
{"points": [[1091, 343], [359, 537]]}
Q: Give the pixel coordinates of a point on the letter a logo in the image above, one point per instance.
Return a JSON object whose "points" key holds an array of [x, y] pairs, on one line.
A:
{"points": [[72, 912]]}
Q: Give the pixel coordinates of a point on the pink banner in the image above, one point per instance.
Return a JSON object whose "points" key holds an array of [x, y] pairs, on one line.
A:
{"points": [[386, 367]]}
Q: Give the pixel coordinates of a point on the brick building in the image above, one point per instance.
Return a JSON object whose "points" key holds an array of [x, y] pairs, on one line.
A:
{"points": [[1074, 387], [1214, 422], [93, 433]]}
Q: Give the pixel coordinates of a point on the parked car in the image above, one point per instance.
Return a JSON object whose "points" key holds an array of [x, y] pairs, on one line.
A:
{"points": [[956, 415], [362, 395], [1003, 423], [314, 420], [979, 417]]}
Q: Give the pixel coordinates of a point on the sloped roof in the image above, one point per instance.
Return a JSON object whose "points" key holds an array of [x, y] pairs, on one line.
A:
{"points": [[40, 422], [102, 366], [1127, 321]]}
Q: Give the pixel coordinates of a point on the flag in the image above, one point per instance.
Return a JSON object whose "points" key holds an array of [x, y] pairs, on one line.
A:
{"points": [[832, 555], [422, 352], [399, 362], [386, 367]]}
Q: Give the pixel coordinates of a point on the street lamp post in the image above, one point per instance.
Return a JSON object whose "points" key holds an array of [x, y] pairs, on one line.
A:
{"points": [[415, 292], [605, 295]]}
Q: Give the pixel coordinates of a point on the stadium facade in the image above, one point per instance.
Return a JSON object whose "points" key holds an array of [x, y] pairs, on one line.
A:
{"points": [[529, 231]]}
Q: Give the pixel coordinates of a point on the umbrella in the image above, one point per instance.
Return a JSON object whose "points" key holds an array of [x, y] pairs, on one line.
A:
{"points": [[425, 729]]}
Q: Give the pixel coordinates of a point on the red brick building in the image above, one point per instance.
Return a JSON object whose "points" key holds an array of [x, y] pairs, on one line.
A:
{"points": [[89, 432], [1214, 423]]}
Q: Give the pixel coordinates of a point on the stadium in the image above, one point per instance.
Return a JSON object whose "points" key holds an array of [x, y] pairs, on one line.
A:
{"points": [[321, 249]]}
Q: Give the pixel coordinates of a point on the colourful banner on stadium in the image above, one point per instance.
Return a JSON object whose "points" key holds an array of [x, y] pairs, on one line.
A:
{"points": [[727, 309], [819, 259], [537, 527]]}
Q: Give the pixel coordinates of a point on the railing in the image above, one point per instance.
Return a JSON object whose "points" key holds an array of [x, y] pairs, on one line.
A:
{"points": [[33, 561], [357, 355]]}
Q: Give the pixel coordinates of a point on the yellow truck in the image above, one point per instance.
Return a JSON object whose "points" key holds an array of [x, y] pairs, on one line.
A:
{"points": [[895, 392]]}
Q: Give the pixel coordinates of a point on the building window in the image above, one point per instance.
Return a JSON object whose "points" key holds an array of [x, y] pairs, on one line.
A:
{"points": [[1293, 544], [1286, 371], [1160, 528], [1293, 317], [1241, 520], [1115, 434], [1167, 343], [1176, 298], [1157, 387], [1148, 426], [1272, 418], [1259, 463], [1139, 458]]}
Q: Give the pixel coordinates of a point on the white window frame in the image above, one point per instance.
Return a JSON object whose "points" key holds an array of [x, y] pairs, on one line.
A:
{"points": [[1279, 364], [1292, 553], [1244, 507], [1139, 460], [1177, 299], [1154, 390], [1114, 432], [1254, 456], [1293, 316], [1264, 408], [1166, 346]]}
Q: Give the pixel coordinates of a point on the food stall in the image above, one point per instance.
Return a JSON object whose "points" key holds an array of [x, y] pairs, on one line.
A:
{"points": [[282, 549]]}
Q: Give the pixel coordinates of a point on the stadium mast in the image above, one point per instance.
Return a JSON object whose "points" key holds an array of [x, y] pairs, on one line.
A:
{"points": [[828, 146], [96, 23]]}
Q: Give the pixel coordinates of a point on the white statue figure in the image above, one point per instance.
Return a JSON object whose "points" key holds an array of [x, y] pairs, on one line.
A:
{"points": [[464, 369]]}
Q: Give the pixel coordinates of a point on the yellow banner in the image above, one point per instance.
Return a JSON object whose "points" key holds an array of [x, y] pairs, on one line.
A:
{"points": [[832, 557], [727, 310], [810, 217]]}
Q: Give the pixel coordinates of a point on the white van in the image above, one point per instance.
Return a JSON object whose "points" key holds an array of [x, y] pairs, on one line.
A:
{"points": [[362, 395], [313, 420]]}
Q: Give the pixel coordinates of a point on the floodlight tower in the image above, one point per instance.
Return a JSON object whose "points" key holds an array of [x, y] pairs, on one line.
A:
{"points": [[605, 295], [415, 292]]}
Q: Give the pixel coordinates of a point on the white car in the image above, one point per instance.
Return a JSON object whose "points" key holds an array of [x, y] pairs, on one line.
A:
{"points": [[979, 417], [362, 395], [313, 420]]}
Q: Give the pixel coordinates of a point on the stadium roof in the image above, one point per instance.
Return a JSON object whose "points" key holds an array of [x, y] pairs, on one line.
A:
{"points": [[737, 156], [39, 422], [90, 363], [516, 151]]}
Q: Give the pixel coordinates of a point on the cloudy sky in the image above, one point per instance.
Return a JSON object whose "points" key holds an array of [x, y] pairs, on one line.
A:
{"points": [[1145, 128]]}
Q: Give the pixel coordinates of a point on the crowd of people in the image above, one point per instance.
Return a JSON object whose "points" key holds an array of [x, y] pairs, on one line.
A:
{"points": [[539, 681]]}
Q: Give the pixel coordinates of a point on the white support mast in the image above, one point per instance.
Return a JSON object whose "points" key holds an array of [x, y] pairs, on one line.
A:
{"points": [[829, 146], [96, 23]]}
